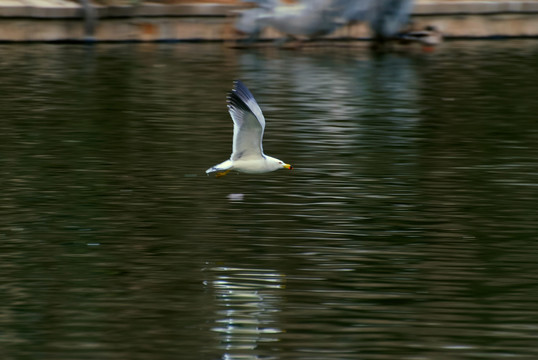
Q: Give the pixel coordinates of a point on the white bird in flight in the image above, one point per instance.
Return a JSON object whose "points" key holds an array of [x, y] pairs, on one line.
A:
{"points": [[249, 123]]}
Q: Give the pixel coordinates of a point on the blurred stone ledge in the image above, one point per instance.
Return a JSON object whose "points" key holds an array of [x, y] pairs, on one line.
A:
{"points": [[475, 7], [74, 11], [67, 9], [63, 20]]}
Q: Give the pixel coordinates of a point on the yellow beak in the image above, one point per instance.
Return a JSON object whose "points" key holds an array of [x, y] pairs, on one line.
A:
{"points": [[287, 166]]}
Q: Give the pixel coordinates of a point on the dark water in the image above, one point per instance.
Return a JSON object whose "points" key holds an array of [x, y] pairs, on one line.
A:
{"points": [[407, 230]]}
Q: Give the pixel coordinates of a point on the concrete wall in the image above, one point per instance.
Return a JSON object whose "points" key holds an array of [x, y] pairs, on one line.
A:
{"points": [[63, 20]]}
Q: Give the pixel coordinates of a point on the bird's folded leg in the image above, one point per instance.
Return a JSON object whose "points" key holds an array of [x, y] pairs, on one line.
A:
{"points": [[222, 173]]}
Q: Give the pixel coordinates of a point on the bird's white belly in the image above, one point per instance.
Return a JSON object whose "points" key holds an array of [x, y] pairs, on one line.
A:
{"points": [[255, 166]]}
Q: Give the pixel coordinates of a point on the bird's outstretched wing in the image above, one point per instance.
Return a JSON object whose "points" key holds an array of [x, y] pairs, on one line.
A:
{"points": [[249, 123]]}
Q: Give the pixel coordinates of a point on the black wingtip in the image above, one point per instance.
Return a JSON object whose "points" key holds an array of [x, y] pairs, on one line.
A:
{"points": [[235, 101], [239, 96], [241, 90]]}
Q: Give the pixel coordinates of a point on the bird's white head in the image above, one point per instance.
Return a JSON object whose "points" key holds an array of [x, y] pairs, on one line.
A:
{"points": [[278, 164]]}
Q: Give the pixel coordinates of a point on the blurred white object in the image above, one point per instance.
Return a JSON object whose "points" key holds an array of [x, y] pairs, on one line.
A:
{"points": [[308, 19], [304, 19], [236, 197]]}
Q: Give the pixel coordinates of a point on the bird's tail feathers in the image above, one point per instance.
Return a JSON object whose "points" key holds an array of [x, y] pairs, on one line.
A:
{"points": [[223, 166]]}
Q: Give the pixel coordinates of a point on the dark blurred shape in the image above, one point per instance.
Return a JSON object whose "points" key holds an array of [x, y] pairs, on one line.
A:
{"points": [[429, 37], [384, 17], [90, 20]]}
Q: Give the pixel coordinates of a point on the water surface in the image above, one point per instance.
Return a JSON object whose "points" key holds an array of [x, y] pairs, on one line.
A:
{"points": [[407, 230]]}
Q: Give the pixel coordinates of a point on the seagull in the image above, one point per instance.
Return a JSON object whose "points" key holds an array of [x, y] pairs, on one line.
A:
{"points": [[249, 123]]}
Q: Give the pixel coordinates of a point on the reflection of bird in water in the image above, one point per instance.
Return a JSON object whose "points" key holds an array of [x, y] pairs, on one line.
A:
{"points": [[429, 37], [310, 19], [247, 300]]}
